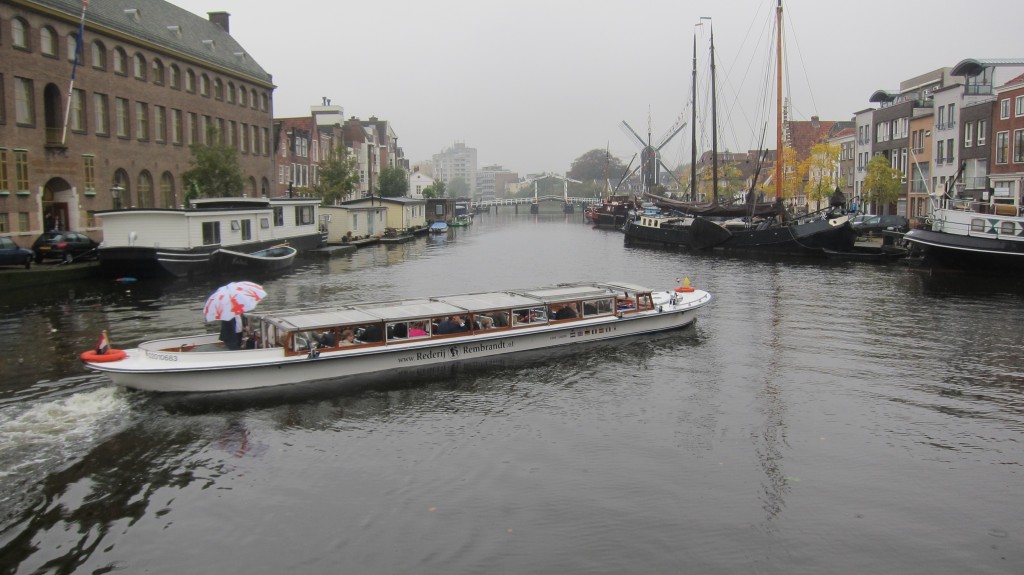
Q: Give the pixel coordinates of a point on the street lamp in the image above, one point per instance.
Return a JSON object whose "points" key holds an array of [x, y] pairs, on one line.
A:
{"points": [[115, 192]]}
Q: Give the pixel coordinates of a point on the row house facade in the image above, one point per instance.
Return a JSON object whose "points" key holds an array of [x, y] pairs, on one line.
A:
{"points": [[1007, 174], [950, 129], [150, 80], [303, 143]]}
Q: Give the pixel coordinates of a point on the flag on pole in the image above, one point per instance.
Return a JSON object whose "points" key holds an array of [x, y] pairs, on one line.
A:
{"points": [[103, 345]]}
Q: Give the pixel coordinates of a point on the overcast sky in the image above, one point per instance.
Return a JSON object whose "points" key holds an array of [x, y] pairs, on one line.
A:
{"points": [[534, 84]]}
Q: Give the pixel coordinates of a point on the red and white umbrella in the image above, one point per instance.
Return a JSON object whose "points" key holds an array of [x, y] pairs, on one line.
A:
{"points": [[233, 300]]}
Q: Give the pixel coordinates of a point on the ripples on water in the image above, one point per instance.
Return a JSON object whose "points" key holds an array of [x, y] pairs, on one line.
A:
{"points": [[820, 417]]}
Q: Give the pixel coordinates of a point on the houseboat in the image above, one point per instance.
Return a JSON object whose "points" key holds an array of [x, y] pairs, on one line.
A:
{"points": [[336, 343], [184, 242]]}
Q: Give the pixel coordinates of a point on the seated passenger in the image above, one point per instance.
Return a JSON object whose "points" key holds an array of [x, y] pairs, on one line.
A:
{"points": [[567, 311], [400, 330], [451, 324], [348, 337], [416, 330], [325, 338], [372, 333]]}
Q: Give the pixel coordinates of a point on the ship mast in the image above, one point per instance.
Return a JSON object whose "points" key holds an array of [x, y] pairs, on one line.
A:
{"points": [[778, 104], [693, 127], [714, 121]]}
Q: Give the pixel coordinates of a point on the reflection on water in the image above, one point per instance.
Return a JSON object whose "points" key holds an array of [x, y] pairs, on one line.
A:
{"points": [[816, 402]]}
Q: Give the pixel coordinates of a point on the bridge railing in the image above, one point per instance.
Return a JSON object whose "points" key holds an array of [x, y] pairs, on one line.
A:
{"points": [[527, 201]]}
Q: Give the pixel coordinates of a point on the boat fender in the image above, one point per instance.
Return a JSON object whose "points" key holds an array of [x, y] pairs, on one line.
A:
{"points": [[111, 355]]}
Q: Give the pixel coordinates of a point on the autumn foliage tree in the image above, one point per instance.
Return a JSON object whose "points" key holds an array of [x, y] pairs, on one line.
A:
{"points": [[820, 168], [882, 183]]}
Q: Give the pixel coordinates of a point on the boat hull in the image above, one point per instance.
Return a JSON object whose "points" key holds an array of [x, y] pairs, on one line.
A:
{"points": [[271, 260], [809, 239], [956, 251], [148, 261], [156, 367]]}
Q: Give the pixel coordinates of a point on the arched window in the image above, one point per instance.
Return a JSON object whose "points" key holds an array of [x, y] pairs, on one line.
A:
{"points": [[243, 94], [204, 86], [254, 100], [265, 188], [48, 41], [175, 77], [158, 72], [231, 92], [250, 187], [264, 102], [72, 40], [218, 89], [19, 34], [99, 55], [145, 190], [120, 61], [167, 190], [139, 66], [190, 81], [123, 188]]}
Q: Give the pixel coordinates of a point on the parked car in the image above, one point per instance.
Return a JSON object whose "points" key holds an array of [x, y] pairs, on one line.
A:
{"points": [[65, 246], [859, 219], [12, 255], [873, 224]]}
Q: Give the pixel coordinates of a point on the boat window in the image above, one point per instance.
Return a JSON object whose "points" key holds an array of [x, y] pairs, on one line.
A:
{"points": [[597, 307], [491, 320], [302, 340], [1006, 228], [211, 233], [567, 310], [977, 225], [528, 315], [449, 324], [408, 330], [368, 333]]}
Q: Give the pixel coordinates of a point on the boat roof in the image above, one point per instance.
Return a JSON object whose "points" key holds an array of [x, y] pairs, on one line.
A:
{"points": [[399, 310]]}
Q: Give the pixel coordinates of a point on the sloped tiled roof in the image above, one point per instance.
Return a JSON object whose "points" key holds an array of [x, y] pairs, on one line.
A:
{"points": [[1017, 80], [192, 37], [805, 134]]}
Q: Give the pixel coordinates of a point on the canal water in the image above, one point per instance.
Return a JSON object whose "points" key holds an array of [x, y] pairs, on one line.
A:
{"points": [[820, 417]]}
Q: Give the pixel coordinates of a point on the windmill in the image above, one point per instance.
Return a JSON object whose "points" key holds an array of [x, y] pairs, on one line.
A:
{"points": [[650, 165]]}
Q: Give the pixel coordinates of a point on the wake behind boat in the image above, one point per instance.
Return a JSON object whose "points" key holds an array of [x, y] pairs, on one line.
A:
{"points": [[296, 346]]}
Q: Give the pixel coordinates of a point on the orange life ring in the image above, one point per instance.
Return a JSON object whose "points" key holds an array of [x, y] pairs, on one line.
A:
{"points": [[684, 289], [111, 355]]}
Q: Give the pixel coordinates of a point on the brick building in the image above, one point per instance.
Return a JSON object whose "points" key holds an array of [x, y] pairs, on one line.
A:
{"points": [[150, 80]]}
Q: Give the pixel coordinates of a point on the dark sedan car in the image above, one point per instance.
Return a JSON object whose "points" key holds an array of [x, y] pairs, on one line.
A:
{"points": [[872, 224], [12, 255], [65, 246]]}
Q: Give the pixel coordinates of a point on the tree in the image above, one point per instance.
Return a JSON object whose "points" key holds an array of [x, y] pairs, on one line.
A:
{"points": [[820, 168], [596, 165], [215, 170], [393, 183], [439, 189], [882, 183], [339, 176], [458, 187]]}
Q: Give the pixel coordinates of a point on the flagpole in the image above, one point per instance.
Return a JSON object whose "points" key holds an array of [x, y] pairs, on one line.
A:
{"points": [[74, 67]]}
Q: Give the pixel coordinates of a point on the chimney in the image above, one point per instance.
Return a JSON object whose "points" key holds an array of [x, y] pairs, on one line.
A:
{"points": [[814, 121], [221, 19]]}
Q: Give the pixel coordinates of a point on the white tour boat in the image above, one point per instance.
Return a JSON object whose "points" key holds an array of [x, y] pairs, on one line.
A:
{"points": [[287, 347]]}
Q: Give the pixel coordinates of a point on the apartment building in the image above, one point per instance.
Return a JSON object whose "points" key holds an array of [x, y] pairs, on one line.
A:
{"points": [[150, 79]]}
